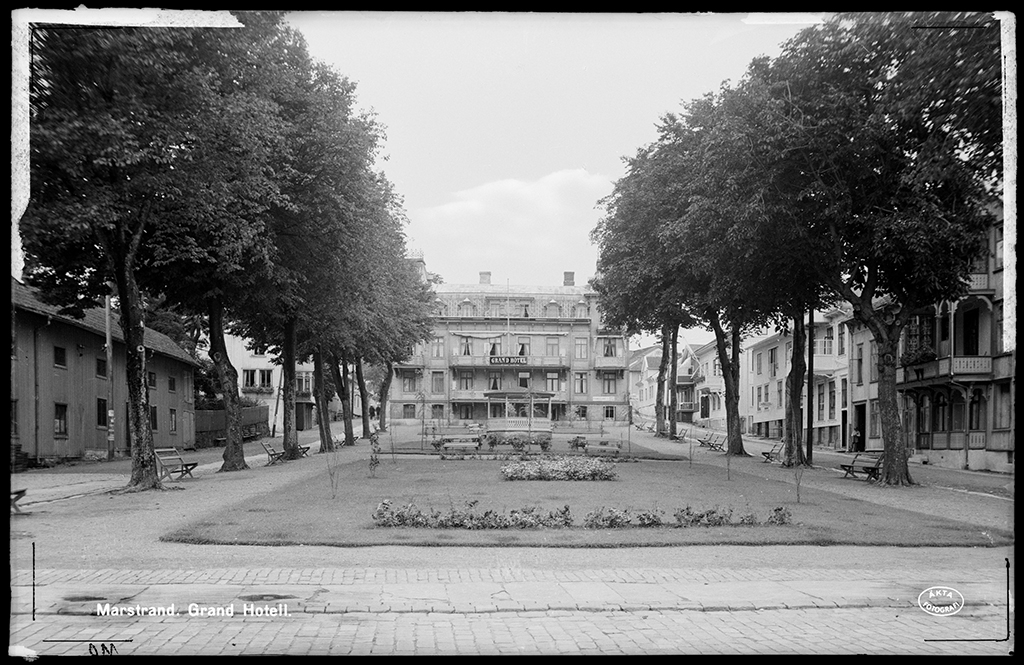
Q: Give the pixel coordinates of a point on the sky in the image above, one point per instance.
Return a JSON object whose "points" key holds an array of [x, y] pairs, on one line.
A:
{"points": [[505, 130]]}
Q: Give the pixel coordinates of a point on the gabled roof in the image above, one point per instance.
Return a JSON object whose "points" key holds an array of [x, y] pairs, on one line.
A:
{"points": [[26, 298]]}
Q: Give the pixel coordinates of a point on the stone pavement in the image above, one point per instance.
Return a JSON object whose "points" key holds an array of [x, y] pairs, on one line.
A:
{"points": [[420, 601]]}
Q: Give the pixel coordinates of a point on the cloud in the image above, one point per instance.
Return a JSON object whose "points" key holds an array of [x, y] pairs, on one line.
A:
{"points": [[526, 232]]}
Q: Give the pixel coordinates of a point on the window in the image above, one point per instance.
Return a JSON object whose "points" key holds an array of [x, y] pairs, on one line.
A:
{"points": [[1003, 406], [821, 401], [172, 421], [841, 350], [409, 382], [609, 383], [151, 379], [437, 411], [976, 411], [465, 380], [999, 248], [60, 419], [524, 380], [437, 347], [999, 327], [778, 394], [466, 347], [408, 410], [858, 374], [551, 346], [758, 363], [552, 382], [610, 348], [172, 384], [101, 412], [609, 413], [495, 346], [716, 367], [831, 400], [152, 418], [266, 378], [874, 363], [843, 384], [60, 356], [580, 344], [494, 381], [759, 400], [580, 383], [873, 418], [101, 367], [829, 340], [524, 346], [581, 412], [940, 414], [304, 382], [248, 378]]}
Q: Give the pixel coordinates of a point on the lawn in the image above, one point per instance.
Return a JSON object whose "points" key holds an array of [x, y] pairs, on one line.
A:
{"points": [[306, 512]]}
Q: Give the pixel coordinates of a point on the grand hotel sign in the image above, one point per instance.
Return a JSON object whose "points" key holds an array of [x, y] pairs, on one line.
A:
{"points": [[507, 360]]}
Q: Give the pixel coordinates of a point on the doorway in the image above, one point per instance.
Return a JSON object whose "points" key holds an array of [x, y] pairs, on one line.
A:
{"points": [[859, 418]]}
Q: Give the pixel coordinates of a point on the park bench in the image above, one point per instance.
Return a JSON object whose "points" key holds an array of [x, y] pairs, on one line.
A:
{"points": [[773, 455], [460, 443], [577, 442], [274, 456], [16, 496], [869, 465], [680, 436], [169, 463], [602, 447], [713, 441]]}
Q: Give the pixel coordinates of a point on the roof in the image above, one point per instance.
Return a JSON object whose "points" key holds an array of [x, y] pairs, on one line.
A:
{"points": [[503, 290], [26, 298]]}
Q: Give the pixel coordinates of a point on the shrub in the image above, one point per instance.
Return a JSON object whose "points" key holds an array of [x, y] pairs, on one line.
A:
{"points": [[713, 517], [650, 517], [780, 516], [524, 518], [612, 519]]}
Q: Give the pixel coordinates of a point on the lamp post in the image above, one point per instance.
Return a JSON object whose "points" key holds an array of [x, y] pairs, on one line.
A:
{"points": [[110, 378]]}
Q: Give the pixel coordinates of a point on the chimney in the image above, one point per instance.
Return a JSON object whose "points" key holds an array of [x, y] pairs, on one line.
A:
{"points": [[570, 279], [485, 277]]}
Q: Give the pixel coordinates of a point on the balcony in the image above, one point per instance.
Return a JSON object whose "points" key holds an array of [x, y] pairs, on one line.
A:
{"points": [[606, 362], [961, 366], [687, 379], [979, 282]]}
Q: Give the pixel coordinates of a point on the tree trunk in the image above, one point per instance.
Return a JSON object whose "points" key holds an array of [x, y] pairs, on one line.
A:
{"points": [[385, 388], [794, 452], [364, 398], [659, 400], [729, 358], [895, 467], [810, 387], [320, 390], [339, 367], [227, 381], [291, 436], [673, 399], [131, 315]]}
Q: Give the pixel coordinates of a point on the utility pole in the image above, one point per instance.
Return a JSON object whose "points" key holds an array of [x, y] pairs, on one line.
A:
{"points": [[110, 381]]}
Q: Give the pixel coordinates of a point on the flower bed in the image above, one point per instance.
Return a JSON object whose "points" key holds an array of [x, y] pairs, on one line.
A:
{"points": [[559, 468], [532, 517]]}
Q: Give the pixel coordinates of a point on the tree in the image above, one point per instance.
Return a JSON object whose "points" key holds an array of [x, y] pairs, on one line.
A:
{"points": [[114, 113], [892, 143]]}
